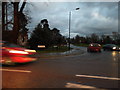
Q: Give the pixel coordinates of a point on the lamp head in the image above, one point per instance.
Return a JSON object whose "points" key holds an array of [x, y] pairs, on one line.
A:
{"points": [[77, 8]]}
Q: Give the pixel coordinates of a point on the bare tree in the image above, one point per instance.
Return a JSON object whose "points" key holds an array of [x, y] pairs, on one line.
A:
{"points": [[17, 21]]}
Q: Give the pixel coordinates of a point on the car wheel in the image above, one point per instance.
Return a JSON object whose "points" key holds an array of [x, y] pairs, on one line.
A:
{"points": [[111, 50], [88, 50]]}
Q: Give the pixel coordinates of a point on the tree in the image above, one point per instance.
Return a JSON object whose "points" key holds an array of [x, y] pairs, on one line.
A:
{"points": [[77, 39], [94, 38], [116, 37], [18, 20], [57, 38], [43, 35], [107, 40]]}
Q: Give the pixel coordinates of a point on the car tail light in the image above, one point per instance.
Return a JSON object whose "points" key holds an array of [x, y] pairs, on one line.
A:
{"points": [[18, 52], [2, 61]]}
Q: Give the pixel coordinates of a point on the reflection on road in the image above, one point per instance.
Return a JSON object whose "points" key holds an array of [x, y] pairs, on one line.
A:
{"points": [[90, 86], [114, 53], [11, 70], [99, 77], [115, 56], [94, 70]]}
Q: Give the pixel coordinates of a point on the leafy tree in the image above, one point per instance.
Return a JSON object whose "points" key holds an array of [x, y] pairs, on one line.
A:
{"points": [[43, 35], [39, 36], [77, 39], [118, 39], [57, 38], [88, 40], [107, 40]]}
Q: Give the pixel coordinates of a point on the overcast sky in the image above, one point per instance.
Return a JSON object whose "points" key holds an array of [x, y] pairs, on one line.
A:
{"points": [[92, 17]]}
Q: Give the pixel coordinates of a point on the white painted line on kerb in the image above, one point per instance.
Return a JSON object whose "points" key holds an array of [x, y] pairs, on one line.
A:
{"points": [[73, 85], [100, 77], [24, 71]]}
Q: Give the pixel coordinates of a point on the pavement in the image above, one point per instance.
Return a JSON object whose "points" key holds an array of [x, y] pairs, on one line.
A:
{"points": [[76, 50]]}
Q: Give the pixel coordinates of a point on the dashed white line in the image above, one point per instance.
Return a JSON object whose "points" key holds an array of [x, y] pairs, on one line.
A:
{"points": [[73, 85], [24, 71], [100, 77]]}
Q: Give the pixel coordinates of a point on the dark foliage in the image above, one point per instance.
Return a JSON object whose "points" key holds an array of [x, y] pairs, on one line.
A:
{"points": [[42, 35]]}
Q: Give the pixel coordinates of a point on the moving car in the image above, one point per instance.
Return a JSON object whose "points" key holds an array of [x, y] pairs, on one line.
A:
{"points": [[13, 54], [94, 47], [111, 47]]}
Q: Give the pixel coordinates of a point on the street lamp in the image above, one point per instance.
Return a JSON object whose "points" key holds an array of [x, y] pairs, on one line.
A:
{"points": [[70, 12]]}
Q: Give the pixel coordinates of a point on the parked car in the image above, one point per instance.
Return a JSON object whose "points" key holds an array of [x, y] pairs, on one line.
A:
{"points": [[94, 47], [13, 54], [111, 47]]}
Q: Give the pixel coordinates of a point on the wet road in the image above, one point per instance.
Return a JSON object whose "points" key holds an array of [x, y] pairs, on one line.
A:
{"points": [[88, 70]]}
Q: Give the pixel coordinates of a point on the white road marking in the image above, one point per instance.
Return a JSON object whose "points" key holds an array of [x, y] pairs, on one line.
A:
{"points": [[73, 85], [98, 77], [25, 71]]}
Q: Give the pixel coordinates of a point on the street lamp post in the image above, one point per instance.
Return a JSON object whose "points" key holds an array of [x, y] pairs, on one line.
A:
{"points": [[70, 12], [69, 30]]}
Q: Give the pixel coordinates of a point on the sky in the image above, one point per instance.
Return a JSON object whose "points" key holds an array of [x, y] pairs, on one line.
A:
{"points": [[92, 17]]}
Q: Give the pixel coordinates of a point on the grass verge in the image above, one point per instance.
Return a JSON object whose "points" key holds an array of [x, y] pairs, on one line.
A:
{"points": [[82, 44], [54, 49]]}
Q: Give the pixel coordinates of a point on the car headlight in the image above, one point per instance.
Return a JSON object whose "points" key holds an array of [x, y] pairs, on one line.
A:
{"points": [[30, 50], [99, 45], [114, 47], [91, 44]]}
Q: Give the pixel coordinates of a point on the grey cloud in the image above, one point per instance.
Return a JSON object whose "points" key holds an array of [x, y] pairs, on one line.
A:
{"points": [[96, 17], [108, 9]]}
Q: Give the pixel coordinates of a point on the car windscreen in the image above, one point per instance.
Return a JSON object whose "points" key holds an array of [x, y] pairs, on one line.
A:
{"points": [[113, 45], [95, 45], [110, 45]]}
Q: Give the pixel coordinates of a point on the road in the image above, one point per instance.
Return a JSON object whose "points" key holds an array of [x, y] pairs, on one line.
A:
{"points": [[88, 70]]}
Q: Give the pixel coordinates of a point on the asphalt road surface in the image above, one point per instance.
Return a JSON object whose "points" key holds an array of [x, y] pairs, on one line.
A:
{"points": [[88, 70]]}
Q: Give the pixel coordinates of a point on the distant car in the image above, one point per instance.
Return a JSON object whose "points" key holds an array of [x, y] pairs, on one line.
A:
{"points": [[94, 47], [111, 47], [13, 54]]}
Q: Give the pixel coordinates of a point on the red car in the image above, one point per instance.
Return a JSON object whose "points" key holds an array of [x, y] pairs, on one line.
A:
{"points": [[13, 54], [94, 47]]}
